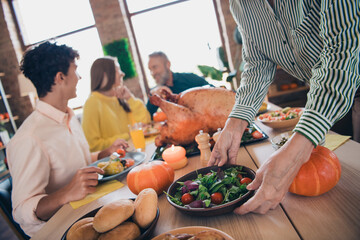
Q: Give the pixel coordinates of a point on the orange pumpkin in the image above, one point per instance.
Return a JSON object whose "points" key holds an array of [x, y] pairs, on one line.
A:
{"points": [[159, 117], [157, 175], [318, 175]]}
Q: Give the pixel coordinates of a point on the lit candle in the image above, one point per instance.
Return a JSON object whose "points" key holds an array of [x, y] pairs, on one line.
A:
{"points": [[175, 157]]}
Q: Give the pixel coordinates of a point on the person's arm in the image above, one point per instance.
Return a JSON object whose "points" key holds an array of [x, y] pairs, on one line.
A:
{"points": [[255, 80], [336, 77], [83, 183], [332, 88], [30, 170]]}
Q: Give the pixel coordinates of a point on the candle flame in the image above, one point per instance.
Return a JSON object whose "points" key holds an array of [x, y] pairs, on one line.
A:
{"points": [[172, 147]]}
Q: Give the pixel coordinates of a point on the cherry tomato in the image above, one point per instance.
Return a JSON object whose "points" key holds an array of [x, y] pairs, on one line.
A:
{"points": [[293, 85], [285, 87], [239, 176], [187, 198], [256, 134], [217, 198], [129, 162], [245, 180], [121, 152]]}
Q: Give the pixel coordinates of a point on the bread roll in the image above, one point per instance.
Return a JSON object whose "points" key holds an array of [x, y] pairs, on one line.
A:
{"points": [[125, 231], [145, 207], [113, 214], [82, 230]]}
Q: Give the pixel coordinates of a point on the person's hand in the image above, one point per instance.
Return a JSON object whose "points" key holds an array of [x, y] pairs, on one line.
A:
{"points": [[228, 143], [83, 183], [118, 143], [159, 91], [123, 92], [275, 176]]}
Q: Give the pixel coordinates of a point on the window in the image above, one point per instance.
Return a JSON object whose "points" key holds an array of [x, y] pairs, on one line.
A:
{"points": [[186, 31], [68, 22]]}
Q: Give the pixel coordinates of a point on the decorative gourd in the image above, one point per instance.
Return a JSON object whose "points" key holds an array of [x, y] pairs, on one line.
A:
{"points": [[159, 117], [318, 175], [157, 175]]}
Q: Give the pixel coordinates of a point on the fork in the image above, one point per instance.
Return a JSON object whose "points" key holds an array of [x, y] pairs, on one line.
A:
{"points": [[113, 156]]}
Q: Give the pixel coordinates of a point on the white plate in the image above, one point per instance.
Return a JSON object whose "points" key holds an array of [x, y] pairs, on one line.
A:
{"points": [[193, 230], [138, 157]]}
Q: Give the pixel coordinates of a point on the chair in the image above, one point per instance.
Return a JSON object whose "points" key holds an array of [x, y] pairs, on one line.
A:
{"points": [[6, 208]]}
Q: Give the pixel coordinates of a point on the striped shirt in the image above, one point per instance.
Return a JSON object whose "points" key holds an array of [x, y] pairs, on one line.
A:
{"points": [[316, 41]]}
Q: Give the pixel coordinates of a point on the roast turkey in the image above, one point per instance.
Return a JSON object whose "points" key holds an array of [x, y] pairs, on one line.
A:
{"points": [[195, 109]]}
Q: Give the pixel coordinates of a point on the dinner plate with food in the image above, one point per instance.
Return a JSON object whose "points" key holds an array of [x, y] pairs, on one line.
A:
{"points": [[194, 232], [283, 118], [118, 165], [151, 129]]}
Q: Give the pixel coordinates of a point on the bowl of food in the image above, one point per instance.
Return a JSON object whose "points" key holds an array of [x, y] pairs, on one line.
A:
{"points": [[194, 232], [284, 118], [211, 191], [279, 140]]}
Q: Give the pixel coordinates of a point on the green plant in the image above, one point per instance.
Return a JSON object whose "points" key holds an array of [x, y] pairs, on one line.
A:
{"points": [[120, 49], [212, 72]]}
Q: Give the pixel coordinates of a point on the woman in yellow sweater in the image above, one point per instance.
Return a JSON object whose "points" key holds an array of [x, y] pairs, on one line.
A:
{"points": [[111, 106]]}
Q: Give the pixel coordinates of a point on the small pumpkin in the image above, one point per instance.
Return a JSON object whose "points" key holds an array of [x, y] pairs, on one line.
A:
{"points": [[157, 175], [318, 175], [159, 117]]}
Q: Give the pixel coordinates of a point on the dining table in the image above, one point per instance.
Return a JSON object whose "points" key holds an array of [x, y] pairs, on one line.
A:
{"points": [[332, 215]]}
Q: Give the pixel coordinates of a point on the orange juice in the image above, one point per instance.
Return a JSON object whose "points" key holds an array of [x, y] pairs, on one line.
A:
{"points": [[138, 138]]}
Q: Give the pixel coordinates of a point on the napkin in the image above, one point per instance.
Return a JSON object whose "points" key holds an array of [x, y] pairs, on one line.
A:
{"points": [[101, 190], [333, 141]]}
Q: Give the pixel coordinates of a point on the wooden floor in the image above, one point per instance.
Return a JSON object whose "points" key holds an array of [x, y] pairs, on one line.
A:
{"points": [[6, 232]]}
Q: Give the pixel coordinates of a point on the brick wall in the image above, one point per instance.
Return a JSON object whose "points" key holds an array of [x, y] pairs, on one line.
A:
{"points": [[10, 54], [233, 48], [112, 25]]}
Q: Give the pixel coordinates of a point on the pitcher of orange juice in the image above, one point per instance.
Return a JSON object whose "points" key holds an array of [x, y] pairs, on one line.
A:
{"points": [[137, 136]]}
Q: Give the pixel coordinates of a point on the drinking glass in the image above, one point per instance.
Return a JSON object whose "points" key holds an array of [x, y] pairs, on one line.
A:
{"points": [[137, 136]]}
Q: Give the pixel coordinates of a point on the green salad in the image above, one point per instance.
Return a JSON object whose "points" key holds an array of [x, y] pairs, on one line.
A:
{"points": [[212, 189]]}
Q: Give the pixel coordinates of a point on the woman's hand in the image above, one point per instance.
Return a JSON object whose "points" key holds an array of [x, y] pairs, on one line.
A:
{"points": [[118, 143], [228, 143], [123, 92], [275, 176]]}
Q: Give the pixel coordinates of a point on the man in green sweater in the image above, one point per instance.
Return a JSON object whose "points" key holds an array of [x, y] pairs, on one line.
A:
{"points": [[159, 66]]}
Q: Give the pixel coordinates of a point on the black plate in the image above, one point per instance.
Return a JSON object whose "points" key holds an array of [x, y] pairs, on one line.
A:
{"points": [[138, 157], [252, 140], [192, 149], [145, 232]]}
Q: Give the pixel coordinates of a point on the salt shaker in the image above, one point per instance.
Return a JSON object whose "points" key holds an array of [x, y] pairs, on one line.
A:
{"points": [[216, 135], [203, 144]]}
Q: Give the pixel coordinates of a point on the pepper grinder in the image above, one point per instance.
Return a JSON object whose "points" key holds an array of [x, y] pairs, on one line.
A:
{"points": [[216, 135], [203, 144]]}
